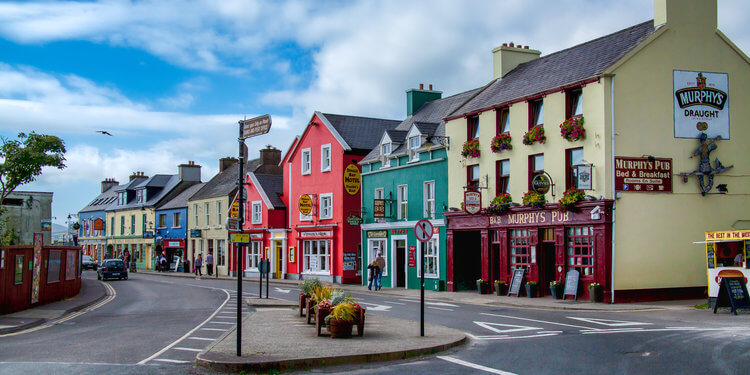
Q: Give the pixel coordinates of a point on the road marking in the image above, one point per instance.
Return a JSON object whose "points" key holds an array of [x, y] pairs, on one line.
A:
{"points": [[395, 303], [440, 304], [188, 349], [171, 360], [439, 308], [189, 332], [221, 323], [375, 307], [201, 338], [540, 321], [609, 322], [474, 365], [286, 291], [489, 325], [213, 329], [506, 337]]}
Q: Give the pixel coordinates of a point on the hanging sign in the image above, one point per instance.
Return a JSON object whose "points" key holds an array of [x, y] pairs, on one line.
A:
{"points": [[412, 256], [378, 208], [354, 220], [352, 179], [644, 175], [234, 211], [305, 204], [584, 180], [541, 183], [239, 238], [255, 126], [472, 201], [701, 104]]}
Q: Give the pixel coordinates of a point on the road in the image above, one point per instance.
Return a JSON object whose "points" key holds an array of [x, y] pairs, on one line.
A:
{"points": [[157, 324]]}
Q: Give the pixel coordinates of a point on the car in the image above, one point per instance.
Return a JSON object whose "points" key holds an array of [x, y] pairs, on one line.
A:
{"points": [[88, 263], [112, 269]]}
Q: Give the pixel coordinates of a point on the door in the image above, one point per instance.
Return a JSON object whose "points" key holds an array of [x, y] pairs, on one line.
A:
{"points": [[400, 263], [278, 254], [547, 266]]}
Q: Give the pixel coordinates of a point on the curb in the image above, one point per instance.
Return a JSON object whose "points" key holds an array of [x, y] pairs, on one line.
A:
{"points": [[37, 322]]}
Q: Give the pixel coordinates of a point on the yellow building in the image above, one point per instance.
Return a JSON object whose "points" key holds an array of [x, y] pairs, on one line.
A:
{"points": [[644, 96]]}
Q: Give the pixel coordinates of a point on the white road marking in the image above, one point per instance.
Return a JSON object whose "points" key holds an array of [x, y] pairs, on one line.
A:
{"points": [[439, 308], [201, 338], [170, 360], [515, 328], [375, 307], [213, 329], [440, 304], [188, 349], [506, 337], [539, 321], [609, 322], [395, 303], [221, 323], [286, 291], [474, 365]]}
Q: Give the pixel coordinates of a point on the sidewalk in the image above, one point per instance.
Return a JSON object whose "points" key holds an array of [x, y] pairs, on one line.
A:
{"points": [[474, 298], [92, 291]]}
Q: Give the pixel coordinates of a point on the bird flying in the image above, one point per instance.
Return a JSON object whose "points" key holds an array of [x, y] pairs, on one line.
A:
{"points": [[104, 132]]}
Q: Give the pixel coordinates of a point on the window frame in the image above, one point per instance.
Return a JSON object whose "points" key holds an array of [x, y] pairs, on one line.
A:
{"points": [[218, 214], [162, 222], [253, 255], [519, 239], [195, 208], [472, 127], [536, 112], [573, 96], [427, 202], [402, 200], [207, 207], [256, 208], [533, 170], [571, 171], [413, 149], [469, 180], [322, 209], [382, 247], [432, 245], [176, 220], [323, 160], [324, 258], [586, 249], [306, 161], [502, 179], [502, 120]]}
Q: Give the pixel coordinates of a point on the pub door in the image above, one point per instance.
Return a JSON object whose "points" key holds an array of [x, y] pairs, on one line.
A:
{"points": [[400, 263], [278, 255], [547, 266]]}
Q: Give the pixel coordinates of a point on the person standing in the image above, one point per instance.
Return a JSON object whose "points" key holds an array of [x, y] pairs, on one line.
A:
{"points": [[381, 266], [198, 264], [373, 268], [163, 263], [210, 263]]}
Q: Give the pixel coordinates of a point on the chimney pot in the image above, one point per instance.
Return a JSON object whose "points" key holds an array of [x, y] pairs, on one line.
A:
{"points": [[421, 86], [525, 47], [430, 87], [505, 44], [511, 44]]}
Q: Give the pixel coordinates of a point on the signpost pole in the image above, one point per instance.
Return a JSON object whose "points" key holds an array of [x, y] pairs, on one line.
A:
{"points": [[241, 199], [421, 302]]}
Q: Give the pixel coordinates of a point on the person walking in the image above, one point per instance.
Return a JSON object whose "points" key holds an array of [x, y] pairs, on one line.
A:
{"points": [[381, 266], [198, 264], [373, 270], [210, 263], [163, 263]]}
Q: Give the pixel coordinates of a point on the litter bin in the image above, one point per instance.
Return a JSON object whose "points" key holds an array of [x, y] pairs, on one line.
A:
{"points": [[186, 266]]}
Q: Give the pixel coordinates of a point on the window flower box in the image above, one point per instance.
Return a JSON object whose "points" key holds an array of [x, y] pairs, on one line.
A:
{"points": [[572, 129], [534, 135], [470, 149], [501, 142], [534, 199], [500, 204], [570, 198]]}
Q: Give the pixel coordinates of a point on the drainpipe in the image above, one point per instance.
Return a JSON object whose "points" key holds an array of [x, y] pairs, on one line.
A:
{"points": [[614, 192]]}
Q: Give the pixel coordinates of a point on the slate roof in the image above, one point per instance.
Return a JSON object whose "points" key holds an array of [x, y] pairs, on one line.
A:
{"points": [[159, 180], [273, 186], [181, 200], [103, 200], [396, 136], [167, 183], [361, 133], [569, 66]]}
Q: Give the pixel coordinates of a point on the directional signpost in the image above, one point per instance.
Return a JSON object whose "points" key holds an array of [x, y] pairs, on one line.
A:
{"points": [[423, 232]]}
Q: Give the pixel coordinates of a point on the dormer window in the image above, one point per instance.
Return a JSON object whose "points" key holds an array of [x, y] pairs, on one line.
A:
{"points": [[121, 198], [385, 149], [414, 143]]}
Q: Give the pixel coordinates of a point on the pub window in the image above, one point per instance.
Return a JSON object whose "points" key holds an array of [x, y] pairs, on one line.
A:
{"points": [[573, 158], [519, 247], [502, 121], [472, 127], [316, 256], [472, 176], [502, 176], [536, 113], [574, 103], [580, 249], [536, 166]]}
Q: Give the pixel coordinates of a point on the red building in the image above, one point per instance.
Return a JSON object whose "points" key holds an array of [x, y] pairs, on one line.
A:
{"points": [[265, 221], [322, 193]]}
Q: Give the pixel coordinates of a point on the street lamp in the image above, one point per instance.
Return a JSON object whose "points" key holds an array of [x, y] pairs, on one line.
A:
{"points": [[437, 139]]}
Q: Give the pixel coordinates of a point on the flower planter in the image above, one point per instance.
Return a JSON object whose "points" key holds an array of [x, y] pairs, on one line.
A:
{"points": [[501, 289], [530, 290], [340, 329], [595, 294], [303, 304], [557, 291], [310, 310], [320, 316], [483, 288]]}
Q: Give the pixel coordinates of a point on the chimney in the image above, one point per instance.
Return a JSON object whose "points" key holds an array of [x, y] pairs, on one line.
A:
{"points": [[137, 174], [416, 98], [108, 183], [270, 157], [225, 163], [687, 16], [507, 57], [189, 171]]}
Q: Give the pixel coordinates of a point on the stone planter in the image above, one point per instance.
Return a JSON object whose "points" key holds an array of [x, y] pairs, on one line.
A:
{"points": [[557, 291], [483, 288], [595, 294]]}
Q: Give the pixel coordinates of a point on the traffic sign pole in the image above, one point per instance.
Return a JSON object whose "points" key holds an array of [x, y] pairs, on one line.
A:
{"points": [[423, 232], [241, 214]]}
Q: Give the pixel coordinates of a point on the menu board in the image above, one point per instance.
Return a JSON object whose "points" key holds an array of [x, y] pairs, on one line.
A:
{"points": [[515, 282], [732, 293], [571, 284], [350, 261], [710, 256]]}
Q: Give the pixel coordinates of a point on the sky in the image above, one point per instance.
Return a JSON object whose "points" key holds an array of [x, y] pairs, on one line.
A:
{"points": [[170, 79]]}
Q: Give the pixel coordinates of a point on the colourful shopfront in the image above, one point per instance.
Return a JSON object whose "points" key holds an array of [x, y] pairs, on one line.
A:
{"points": [[726, 256]]}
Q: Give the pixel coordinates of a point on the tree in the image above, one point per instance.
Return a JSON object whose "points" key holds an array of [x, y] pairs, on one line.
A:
{"points": [[21, 160]]}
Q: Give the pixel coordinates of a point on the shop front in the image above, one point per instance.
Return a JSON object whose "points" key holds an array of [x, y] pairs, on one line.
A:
{"points": [[175, 251], [546, 242], [266, 244], [316, 254], [726, 256]]}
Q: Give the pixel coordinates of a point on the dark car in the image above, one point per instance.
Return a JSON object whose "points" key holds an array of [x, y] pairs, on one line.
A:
{"points": [[112, 269], [88, 263]]}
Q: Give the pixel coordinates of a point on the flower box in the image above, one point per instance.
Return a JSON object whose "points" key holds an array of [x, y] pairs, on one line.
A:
{"points": [[501, 142], [570, 198], [534, 135], [470, 149], [572, 129], [534, 199], [500, 204]]}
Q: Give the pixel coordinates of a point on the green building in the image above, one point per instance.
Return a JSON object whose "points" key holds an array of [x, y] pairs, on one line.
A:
{"points": [[405, 180]]}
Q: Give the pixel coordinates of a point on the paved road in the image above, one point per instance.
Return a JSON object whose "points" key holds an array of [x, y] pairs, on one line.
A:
{"points": [[157, 324]]}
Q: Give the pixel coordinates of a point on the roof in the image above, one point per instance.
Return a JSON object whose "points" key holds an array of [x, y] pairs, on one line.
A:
{"points": [[103, 200], [360, 133], [181, 200], [165, 183], [272, 186], [396, 136], [221, 185], [566, 67], [159, 180]]}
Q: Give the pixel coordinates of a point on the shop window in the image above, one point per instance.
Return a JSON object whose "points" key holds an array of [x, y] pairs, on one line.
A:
{"points": [[520, 249], [580, 249], [257, 212], [162, 220], [325, 158], [536, 113], [378, 245], [536, 166], [502, 176], [472, 176], [472, 127], [306, 161], [316, 256], [403, 202], [431, 258], [502, 121], [429, 200], [573, 158], [574, 106], [220, 253], [326, 206], [176, 220], [253, 255]]}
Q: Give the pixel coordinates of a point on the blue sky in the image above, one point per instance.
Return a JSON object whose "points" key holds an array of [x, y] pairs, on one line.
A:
{"points": [[170, 79]]}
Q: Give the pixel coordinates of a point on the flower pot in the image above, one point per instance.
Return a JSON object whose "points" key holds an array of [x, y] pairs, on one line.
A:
{"points": [[501, 289], [340, 329], [595, 294], [482, 288], [320, 318], [557, 291], [530, 290]]}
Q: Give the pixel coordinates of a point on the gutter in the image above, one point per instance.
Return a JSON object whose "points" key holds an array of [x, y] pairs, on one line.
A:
{"points": [[614, 192]]}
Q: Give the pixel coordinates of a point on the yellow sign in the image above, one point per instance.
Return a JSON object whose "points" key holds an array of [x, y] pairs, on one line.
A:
{"points": [[291, 254], [736, 235], [234, 211], [239, 238], [351, 179], [305, 204]]}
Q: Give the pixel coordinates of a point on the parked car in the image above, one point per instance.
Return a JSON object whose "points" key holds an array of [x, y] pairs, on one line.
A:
{"points": [[88, 263], [112, 269]]}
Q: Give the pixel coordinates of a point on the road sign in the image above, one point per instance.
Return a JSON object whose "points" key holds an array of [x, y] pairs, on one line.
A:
{"points": [[239, 238], [255, 126], [423, 230], [232, 223]]}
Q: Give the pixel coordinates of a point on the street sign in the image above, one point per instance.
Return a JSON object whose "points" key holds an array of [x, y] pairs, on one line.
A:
{"points": [[305, 204], [232, 223], [255, 126], [234, 211], [352, 179], [239, 238], [423, 230]]}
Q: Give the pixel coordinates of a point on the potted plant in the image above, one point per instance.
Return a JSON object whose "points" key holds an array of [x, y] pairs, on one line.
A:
{"points": [[501, 142], [318, 295], [501, 288], [470, 149], [306, 289], [556, 288], [572, 129], [500, 204], [534, 135], [340, 321], [570, 198], [482, 286], [595, 292], [534, 199], [531, 289]]}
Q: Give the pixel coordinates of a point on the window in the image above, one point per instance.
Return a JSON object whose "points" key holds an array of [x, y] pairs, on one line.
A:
{"points": [[385, 149], [431, 258], [414, 143], [326, 206], [139, 196], [316, 256], [379, 193], [162, 220], [472, 127], [112, 226], [220, 255], [536, 166], [195, 213], [325, 158], [218, 213], [502, 176], [176, 220], [536, 113], [472, 176], [143, 223], [403, 202], [122, 225], [257, 212], [429, 200], [520, 249], [574, 103], [580, 249], [121, 198], [502, 121], [208, 213], [378, 246], [306, 161], [573, 158], [253, 254]]}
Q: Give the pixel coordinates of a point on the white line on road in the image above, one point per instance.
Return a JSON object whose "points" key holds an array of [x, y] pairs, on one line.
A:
{"points": [[395, 303], [474, 365], [188, 349], [171, 360], [540, 321], [506, 337], [221, 323], [213, 329], [439, 308], [201, 338]]}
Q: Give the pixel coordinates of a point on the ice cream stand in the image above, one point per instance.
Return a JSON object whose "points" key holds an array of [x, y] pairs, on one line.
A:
{"points": [[726, 256]]}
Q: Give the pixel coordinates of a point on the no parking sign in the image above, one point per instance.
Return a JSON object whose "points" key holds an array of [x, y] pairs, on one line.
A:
{"points": [[423, 230]]}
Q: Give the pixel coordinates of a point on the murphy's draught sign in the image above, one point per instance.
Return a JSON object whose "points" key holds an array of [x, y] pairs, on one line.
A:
{"points": [[701, 104]]}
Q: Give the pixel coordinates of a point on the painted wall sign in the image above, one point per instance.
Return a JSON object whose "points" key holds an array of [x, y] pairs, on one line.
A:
{"points": [[350, 261], [324, 233], [412, 256], [305, 204], [644, 175], [541, 183], [398, 231], [378, 208], [36, 276], [539, 217], [256, 126], [174, 244], [352, 179], [377, 234], [472, 201], [256, 236], [701, 104]]}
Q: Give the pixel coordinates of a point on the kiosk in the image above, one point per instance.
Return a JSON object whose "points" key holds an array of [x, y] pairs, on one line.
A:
{"points": [[726, 256]]}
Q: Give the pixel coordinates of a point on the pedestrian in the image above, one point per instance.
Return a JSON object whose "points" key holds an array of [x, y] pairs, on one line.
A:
{"points": [[210, 263], [198, 264], [163, 263], [373, 271], [381, 266]]}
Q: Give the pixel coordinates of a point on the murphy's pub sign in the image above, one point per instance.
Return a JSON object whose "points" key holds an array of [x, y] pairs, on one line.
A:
{"points": [[643, 175], [701, 104]]}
